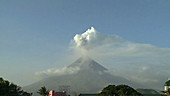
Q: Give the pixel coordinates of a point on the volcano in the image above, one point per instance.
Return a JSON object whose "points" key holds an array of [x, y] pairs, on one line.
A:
{"points": [[86, 63], [91, 77]]}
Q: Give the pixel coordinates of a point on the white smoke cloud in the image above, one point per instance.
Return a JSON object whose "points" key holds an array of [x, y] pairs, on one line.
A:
{"points": [[92, 39]]}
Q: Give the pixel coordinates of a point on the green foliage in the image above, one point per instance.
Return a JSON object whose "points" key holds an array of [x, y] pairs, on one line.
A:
{"points": [[10, 89], [120, 90], [43, 91]]}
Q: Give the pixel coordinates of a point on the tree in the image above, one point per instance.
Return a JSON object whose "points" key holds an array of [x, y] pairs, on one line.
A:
{"points": [[43, 91], [120, 90], [109, 91], [10, 89]]}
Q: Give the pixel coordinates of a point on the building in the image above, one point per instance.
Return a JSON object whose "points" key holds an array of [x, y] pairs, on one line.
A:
{"points": [[167, 85], [53, 93]]}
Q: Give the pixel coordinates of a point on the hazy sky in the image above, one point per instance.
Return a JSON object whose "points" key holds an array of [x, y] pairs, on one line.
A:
{"points": [[35, 34]]}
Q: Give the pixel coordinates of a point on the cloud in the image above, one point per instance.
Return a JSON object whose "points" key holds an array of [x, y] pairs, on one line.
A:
{"points": [[57, 72]]}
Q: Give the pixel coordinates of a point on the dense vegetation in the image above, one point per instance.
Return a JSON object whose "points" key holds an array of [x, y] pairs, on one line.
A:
{"points": [[120, 90], [10, 89]]}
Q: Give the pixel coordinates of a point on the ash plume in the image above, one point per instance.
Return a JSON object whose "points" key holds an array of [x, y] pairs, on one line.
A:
{"points": [[92, 39]]}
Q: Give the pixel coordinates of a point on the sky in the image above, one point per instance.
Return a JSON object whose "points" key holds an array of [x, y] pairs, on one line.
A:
{"points": [[36, 35]]}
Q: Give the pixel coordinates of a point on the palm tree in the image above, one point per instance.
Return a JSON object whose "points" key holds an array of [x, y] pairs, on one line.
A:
{"points": [[43, 91]]}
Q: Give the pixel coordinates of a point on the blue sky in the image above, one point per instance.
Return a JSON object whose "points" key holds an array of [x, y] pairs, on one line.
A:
{"points": [[35, 34]]}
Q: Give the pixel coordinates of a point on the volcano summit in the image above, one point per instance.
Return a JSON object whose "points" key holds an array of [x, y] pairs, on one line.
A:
{"points": [[86, 63]]}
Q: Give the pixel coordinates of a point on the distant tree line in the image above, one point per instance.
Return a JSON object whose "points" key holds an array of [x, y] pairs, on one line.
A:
{"points": [[10, 89], [119, 90]]}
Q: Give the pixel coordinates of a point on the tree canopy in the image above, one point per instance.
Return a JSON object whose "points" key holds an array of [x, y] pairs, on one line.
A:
{"points": [[120, 90], [43, 91], [11, 89]]}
